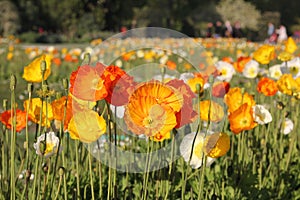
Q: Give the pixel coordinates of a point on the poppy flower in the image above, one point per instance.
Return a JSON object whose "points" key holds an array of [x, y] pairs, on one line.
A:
{"points": [[234, 99], [251, 69], [261, 114], [186, 114], [275, 71], [290, 45], [226, 71], [293, 67], [33, 73], [48, 146], [216, 145], [241, 62], [171, 65], [158, 137], [264, 54], [7, 120], [267, 86], [216, 111], [86, 126], [86, 83], [220, 89], [285, 56], [118, 84], [151, 109], [287, 85], [242, 119], [34, 111], [287, 126], [186, 146], [193, 82]]}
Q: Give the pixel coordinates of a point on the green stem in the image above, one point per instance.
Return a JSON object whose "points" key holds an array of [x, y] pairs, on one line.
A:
{"points": [[77, 171], [12, 146], [91, 173]]}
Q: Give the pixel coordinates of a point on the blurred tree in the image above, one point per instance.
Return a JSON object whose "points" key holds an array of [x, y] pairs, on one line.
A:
{"points": [[239, 10], [9, 18]]}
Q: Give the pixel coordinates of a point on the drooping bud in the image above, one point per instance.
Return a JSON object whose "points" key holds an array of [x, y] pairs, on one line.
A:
{"points": [[13, 82]]}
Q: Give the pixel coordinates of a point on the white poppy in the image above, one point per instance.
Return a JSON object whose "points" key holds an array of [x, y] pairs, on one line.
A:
{"points": [[197, 154], [261, 114], [49, 144], [226, 71], [186, 76], [294, 67], [251, 69], [287, 126], [275, 71]]}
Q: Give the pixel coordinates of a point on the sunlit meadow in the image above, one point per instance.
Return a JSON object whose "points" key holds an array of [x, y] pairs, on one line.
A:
{"points": [[150, 124]]}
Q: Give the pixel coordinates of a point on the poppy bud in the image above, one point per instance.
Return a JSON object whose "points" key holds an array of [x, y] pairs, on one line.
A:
{"points": [[13, 82]]}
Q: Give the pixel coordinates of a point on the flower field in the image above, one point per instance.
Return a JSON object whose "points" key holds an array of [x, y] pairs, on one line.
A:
{"points": [[150, 118]]}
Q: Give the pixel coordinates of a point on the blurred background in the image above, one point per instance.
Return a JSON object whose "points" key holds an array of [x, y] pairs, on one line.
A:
{"points": [[75, 21]]}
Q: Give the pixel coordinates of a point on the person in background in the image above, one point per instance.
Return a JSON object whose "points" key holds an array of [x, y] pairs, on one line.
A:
{"points": [[228, 29], [209, 30], [282, 34], [218, 29], [271, 29], [237, 30]]}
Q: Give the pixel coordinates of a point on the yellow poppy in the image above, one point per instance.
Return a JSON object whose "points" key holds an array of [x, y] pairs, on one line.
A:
{"points": [[216, 111], [264, 54], [290, 45], [34, 111], [193, 82], [285, 56], [287, 85], [216, 145], [86, 126], [33, 73]]}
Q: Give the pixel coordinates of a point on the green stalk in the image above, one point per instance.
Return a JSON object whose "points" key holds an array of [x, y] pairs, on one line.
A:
{"points": [[13, 137], [77, 170], [91, 173]]}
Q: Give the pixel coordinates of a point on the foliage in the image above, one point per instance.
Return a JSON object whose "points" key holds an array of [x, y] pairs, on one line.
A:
{"points": [[239, 10], [9, 18]]}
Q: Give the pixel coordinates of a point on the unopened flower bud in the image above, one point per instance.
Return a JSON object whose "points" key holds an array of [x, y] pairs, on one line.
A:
{"points": [[86, 59], [29, 87], [65, 83], [43, 66], [5, 104], [13, 82], [61, 171]]}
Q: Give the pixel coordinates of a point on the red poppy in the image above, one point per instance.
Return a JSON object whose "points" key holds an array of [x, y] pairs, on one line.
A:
{"points": [[220, 89], [6, 119], [186, 114], [118, 84]]}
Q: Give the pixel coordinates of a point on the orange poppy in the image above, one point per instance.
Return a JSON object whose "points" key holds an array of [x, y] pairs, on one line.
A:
{"points": [[212, 109], [86, 83], [241, 62], [151, 109], [6, 119], [171, 65], [234, 99], [267, 86], [242, 119], [161, 136]]}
